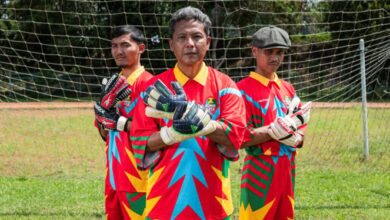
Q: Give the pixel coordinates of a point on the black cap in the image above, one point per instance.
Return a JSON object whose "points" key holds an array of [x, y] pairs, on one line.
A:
{"points": [[271, 37]]}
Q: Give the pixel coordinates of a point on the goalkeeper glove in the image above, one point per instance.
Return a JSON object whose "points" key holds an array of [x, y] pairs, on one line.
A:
{"points": [[293, 105], [163, 102], [195, 118], [109, 119], [281, 130], [300, 116], [170, 136], [115, 89], [195, 121]]}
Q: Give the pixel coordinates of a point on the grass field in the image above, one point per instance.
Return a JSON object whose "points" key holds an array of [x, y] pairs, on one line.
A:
{"points": [[52, 166]]}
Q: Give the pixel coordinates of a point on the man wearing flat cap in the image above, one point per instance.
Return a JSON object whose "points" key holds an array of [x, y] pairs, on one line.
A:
{"points": [[276, 124]]}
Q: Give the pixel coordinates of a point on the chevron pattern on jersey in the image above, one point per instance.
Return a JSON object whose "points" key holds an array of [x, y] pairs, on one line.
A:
{"points": [[256, 179]]}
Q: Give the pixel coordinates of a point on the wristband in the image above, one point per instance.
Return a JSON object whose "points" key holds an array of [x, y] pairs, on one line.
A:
{"points": [[166, 136], [121, 123]]}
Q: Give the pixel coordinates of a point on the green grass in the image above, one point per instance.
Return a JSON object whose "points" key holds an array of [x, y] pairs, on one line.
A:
{"points": [[52, 166]]}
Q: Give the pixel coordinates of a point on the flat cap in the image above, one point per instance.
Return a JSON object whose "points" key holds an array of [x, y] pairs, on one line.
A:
{"points": [[271, 37]]}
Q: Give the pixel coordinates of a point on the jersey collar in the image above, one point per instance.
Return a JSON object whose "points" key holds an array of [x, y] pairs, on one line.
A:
{"points": [[263, 80], [200, 77], [134, 75]]}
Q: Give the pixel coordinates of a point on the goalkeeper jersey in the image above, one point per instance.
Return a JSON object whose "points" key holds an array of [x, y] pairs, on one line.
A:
{"points": [[265, 100], [122, 172], [191, 180]]}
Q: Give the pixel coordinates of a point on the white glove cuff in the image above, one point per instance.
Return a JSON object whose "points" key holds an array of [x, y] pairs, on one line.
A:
{"points": [[121, 123], [169, 136], [166, 136], [154, 113], [270, 131]]}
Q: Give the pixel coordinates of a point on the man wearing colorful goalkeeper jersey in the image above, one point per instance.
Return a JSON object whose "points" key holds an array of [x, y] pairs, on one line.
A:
{"points": [[189, 174], [275, 130], [125, 184]]}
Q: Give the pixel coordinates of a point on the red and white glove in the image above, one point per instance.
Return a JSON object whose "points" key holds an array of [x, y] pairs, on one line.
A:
{"points": [[114, 90], [293, 106], [109, 119], [282, 131], [300, 116]]}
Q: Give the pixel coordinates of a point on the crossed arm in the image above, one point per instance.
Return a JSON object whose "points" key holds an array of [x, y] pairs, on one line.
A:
{"points": [[155, 141]]}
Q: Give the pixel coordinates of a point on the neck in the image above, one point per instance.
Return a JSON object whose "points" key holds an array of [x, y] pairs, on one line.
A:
{"points": [[191, 71], [128, 70], [270, 76]]}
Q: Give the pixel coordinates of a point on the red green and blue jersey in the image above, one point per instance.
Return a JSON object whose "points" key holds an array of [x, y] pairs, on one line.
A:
{"points": [[265, 100], [122, 171], [269, 169], [191, 179]]}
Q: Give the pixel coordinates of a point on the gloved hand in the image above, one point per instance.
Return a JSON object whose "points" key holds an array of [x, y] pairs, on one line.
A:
{"points": [[300, 116], [114, 90], [281, 130], [163, 102], [195, 121], [293, 106], [109, 119], [170, 136]]}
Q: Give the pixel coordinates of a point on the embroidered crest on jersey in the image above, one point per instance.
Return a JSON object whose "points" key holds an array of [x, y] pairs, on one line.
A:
{"points": [[211, 104]]}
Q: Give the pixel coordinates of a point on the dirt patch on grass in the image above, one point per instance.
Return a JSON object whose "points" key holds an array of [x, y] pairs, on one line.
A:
{"points": [[46, 105], [46, 113]]}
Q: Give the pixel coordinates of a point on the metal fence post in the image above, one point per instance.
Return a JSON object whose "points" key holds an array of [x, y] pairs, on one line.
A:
{"points": [[364, 98]]}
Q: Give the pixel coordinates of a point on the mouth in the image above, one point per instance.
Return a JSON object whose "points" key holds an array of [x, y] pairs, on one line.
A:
{"points": [[190, 53]]}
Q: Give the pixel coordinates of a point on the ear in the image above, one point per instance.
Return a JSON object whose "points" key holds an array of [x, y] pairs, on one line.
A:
{"points": [[254, 51], [208, 42], [141, 48]]}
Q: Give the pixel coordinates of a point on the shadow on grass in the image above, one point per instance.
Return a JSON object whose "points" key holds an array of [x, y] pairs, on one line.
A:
{"points": [[381, 193]]}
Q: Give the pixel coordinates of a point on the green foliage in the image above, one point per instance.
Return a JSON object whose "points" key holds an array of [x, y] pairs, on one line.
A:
{"points": [[311, 38], [375, 21]]}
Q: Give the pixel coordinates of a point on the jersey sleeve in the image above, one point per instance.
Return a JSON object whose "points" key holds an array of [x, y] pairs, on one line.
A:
{"points": [[141, 129], [232, 118], [249, 131]]}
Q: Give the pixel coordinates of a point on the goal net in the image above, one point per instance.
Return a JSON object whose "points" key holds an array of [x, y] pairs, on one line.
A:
{"points": [[61, 49]]}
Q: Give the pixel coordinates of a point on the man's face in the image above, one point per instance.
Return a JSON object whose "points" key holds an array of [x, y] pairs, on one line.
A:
{"points": [[189, 42], [126, 51], [268, 60]]}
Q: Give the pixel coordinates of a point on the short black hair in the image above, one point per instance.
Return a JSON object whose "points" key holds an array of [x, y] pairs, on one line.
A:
{"points": [[135, 33], [187, 14]]}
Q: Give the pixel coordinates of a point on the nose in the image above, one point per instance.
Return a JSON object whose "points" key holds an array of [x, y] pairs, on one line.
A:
{"points": [[275, 57], [114, 52], [119, 51], [189, 42]]}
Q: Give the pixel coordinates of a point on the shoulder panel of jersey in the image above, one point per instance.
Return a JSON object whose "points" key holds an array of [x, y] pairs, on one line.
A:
{"points": [[143, 126]]}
